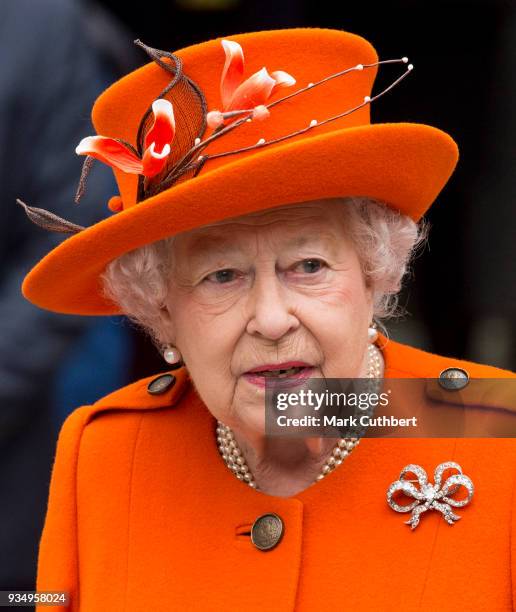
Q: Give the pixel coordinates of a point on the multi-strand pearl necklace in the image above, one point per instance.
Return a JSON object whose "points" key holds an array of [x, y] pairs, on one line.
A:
{"points": [[234, 458]]}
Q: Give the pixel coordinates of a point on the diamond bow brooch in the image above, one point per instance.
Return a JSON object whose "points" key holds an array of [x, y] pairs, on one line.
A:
{"points": [[429, 496]]}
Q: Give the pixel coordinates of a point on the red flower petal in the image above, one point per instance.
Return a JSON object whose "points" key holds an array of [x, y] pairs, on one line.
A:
{"points": [[111, 152], [253, 91], [154, 162], [164, 127], [233, 71], [283, 79]]}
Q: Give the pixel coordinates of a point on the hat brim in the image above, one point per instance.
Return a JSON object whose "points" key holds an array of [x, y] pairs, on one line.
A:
{"points": [[404, 164]]}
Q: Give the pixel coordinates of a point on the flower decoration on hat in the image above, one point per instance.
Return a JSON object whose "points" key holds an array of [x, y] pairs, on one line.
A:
{"points": [[242, 100], [162, 157], [237, 94], [119, 154]]}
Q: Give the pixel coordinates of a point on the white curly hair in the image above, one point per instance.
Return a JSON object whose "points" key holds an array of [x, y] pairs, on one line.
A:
{"points": [[385, 239]]}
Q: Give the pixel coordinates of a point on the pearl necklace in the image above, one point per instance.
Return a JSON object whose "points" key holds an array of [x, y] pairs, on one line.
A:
{"points": [[234, 458]]}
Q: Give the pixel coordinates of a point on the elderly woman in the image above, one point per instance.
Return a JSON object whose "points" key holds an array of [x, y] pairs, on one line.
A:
{"points": [[170, 493]]}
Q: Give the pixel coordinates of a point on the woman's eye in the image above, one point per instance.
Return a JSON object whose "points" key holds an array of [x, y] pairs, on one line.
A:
{"points": [[311, 265], [220, 277], [226, 275]]}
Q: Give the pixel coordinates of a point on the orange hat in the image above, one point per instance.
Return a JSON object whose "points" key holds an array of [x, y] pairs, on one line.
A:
{"points": [[231, 126]]}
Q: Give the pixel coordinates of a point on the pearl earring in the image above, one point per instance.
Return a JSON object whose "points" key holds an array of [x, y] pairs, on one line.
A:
{"points": [[372, 333], [172, 355]]}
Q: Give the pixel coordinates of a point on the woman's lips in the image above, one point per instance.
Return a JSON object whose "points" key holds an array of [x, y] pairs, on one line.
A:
{"points": [[281, 366], [289, 381]]}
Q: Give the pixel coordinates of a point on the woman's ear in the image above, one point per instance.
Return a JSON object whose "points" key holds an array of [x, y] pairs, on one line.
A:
{"points": [[164, 314], [167, 321], [370, 302], [369, 289]]}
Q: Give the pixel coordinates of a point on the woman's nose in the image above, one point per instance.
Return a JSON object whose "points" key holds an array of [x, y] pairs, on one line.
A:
{"points": [[271, 307]]}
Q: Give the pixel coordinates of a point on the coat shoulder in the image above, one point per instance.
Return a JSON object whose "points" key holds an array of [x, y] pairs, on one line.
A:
{"points": [[152, 392], [483, 386], [405, 359]]}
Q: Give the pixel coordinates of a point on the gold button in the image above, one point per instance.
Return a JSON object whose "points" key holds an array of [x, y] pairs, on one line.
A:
{"points": [[161, 383], [267, 531], [453, 379]]}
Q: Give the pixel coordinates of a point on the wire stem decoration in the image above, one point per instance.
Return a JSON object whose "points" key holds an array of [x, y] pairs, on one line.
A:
{"points": [[314, 123]]}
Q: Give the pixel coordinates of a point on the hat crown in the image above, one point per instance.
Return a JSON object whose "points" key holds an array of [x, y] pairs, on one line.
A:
{"points": [[308, 54]]}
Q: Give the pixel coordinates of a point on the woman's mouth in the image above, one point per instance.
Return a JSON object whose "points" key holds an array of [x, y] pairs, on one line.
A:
{"points": [[294, 374]]}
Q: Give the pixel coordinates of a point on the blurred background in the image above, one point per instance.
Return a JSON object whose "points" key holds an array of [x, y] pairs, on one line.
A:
{"points": [[59, 55]]}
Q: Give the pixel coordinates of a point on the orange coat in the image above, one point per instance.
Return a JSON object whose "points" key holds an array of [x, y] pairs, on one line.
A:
{"points": [[144, 516]]}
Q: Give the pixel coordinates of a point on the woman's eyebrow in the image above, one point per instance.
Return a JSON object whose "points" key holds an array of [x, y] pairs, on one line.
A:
{"points": [[328, 240], [316, 237], [204, 245]]}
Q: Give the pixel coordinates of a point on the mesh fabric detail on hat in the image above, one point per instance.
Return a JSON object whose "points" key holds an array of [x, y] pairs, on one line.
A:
{"points": [[190, 109]]}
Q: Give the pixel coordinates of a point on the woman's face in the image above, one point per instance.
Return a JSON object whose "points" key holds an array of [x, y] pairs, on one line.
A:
{"points": [[271, 287]]}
